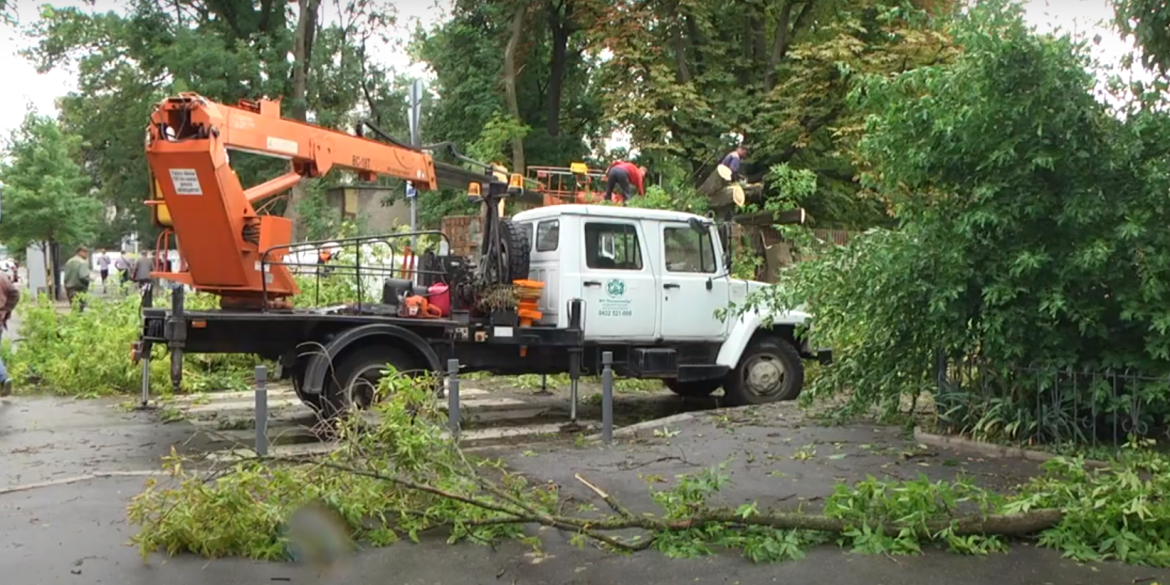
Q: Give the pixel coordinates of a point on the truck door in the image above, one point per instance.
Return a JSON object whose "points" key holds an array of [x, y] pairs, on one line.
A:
{"points": [[618, 284], [693, 285]]}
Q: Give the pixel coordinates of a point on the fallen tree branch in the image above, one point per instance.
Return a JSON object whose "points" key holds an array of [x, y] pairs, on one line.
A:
{"points": [[996, 524], [608, 499]]}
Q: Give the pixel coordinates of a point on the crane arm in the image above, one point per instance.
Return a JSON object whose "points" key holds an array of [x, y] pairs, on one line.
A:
{"points": [[212, 214]]}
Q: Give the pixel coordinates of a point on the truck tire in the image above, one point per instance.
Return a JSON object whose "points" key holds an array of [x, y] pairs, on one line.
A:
{"points": [[694, 388], [353, 381], [516, 250], [769, 370]]}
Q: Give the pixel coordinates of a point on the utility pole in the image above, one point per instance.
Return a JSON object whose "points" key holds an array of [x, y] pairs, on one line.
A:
{"points": [[414, 116]]}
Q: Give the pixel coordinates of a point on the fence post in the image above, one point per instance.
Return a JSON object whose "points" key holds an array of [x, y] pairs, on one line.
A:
{"points": [[261, 411], [607, 397], [574, 379], [145, 358], [453, 397]]}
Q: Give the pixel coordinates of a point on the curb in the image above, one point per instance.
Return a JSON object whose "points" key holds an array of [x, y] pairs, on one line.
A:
{"points": [[991, 449], [647, 425]]}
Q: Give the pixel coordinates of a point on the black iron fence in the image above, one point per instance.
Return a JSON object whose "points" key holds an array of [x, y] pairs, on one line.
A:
{"points": [[1050, 405]]}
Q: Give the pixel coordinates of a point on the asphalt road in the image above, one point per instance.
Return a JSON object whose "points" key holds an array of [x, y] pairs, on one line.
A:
{"points": [[58, 529]]}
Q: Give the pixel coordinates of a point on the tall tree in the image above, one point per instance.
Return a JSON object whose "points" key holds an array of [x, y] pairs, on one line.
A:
{"points": [[223, 49], [687, 78], [46, 195]]}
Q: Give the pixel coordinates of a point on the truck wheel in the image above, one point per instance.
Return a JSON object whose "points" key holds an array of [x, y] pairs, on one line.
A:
{"points": [[694, 388], [353, 382], [769, 370], [516, 250]]}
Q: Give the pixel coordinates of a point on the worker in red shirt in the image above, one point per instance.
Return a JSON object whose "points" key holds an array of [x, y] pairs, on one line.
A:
{"points": [[622, 174]]}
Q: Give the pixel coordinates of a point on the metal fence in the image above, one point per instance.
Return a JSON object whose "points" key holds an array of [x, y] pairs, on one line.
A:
{"points": [[1050, 405]]}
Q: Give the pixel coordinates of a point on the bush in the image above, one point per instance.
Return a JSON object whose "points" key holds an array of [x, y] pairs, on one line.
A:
{"points": [[1030, 225], [88, 353]]}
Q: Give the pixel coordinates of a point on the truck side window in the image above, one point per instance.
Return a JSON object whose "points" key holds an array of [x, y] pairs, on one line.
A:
{"points": [[612, 246], [687, 250], [548, 235], [527, 229]]}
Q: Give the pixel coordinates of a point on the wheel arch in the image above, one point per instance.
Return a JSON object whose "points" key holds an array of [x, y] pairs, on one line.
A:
{"points": [[752, 325], [319, 364]]}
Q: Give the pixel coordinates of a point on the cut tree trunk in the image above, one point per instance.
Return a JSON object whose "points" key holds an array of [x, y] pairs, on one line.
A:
{"points": [[719, 192], [510, 74], [302, 53]]}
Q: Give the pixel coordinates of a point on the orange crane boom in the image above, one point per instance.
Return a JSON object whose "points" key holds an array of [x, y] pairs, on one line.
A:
{"points": [[214, 218]]}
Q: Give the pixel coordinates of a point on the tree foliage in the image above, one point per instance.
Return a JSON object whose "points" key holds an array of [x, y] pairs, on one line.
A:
{"points": [[1030, 222], [225, 50], [1148, 21], [688, 77], [46, 198]]}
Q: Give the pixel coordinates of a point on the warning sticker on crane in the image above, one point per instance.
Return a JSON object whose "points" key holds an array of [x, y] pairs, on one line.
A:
{"points": [[186, 182], [282, 145]]}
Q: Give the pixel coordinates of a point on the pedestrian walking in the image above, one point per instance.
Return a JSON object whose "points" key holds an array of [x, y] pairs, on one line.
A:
{"points": [[103, 262], [142, 269], [122, 265], [624, 174], [77, 276], [9, 296]]}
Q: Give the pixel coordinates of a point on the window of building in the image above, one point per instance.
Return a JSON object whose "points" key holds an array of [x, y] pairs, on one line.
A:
{"points": [[548, 235], [612, 246], [688, 250]]}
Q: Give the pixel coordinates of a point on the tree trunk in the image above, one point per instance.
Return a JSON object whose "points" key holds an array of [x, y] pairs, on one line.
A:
{"points": [[559, 15], [302, 53], [786, 29], [510, 84]]}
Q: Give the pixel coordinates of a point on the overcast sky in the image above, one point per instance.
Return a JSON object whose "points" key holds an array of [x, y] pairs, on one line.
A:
{"points": [[24, 86]]}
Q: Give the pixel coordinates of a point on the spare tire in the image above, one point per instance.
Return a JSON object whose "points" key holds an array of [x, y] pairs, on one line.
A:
{"points": [[516, 250]]}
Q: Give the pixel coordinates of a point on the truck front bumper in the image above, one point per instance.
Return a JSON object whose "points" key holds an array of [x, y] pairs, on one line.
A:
{"points": [[823, 355]]}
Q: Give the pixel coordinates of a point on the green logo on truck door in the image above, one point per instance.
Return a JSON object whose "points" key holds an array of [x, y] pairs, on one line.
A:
{"points": [[614, 305], [615, 287]]}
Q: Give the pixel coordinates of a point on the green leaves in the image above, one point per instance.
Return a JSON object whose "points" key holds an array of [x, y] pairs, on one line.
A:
{"points": [[45, 193]]}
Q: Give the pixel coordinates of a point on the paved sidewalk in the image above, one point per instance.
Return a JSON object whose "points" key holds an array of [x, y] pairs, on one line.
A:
{"points": [[76, 532]]}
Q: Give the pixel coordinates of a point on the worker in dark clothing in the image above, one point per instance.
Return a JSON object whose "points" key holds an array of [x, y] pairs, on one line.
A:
{"points": [[732, 160], [623, 174]]}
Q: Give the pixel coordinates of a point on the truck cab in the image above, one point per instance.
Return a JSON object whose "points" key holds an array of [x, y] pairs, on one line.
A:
{"points": [[656, 280]]}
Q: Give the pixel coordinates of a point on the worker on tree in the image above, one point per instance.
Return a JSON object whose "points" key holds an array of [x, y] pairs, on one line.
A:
{"points": [[731, 161], [77, 276], [9, 296], [731, 164], [622, 174]]}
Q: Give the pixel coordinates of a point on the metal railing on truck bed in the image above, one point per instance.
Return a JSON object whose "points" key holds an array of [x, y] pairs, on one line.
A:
{"points": [[371, 260]]}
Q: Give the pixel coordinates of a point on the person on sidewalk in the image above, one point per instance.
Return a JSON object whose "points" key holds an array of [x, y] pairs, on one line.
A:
{"points": [[623, 174], [122, 265], [103, 262], [9, 296], [142, 270], [77, 275]]}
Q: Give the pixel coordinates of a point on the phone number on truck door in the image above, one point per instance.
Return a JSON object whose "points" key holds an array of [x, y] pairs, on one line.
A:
{"points": [[615, 313]]}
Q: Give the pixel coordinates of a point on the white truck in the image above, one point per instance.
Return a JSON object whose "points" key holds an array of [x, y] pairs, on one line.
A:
{"points": [[645, 285]]}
